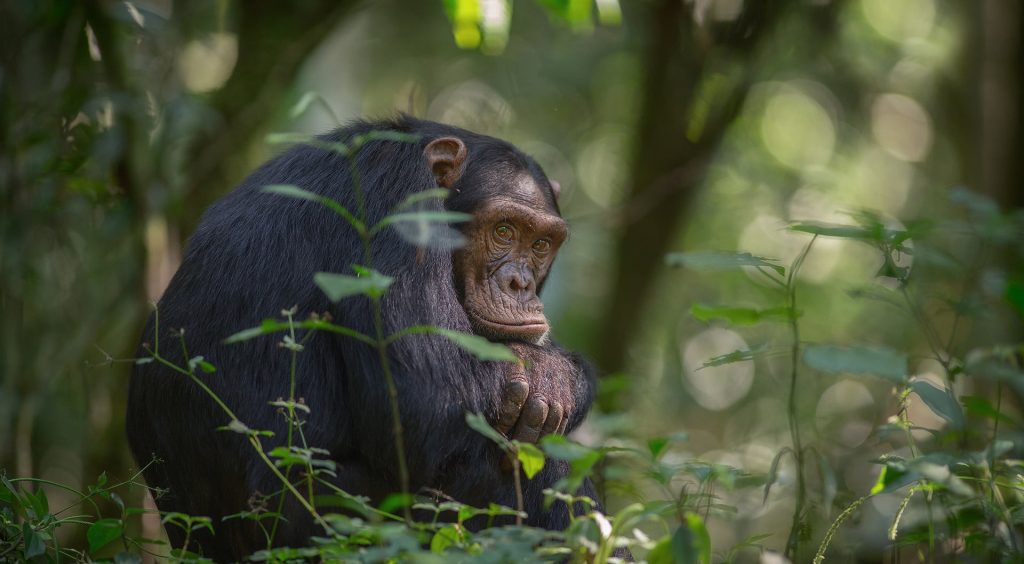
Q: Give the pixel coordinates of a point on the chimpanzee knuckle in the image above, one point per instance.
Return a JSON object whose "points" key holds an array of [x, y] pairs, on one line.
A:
{"points": [[554, 418], [563, 425], [534, 413], [516, 391]]}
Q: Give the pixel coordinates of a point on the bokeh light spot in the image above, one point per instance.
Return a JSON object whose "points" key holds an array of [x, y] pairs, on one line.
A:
{"points": [[901, 126], [900, 20], [206, 64], [845, 412], [797, 130], [599, 169]]}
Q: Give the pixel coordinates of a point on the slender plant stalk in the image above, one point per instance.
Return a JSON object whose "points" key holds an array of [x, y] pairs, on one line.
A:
{"points": [[253, 439], [793, 542], [291, 426], [519, 490], [382, 345], [827, 540]]}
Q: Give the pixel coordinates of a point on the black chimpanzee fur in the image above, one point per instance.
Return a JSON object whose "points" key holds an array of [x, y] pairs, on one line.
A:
{"points": [[254, 254]]}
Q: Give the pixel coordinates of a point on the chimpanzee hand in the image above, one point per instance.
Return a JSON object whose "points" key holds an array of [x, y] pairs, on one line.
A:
{"points": [[538, 395]]}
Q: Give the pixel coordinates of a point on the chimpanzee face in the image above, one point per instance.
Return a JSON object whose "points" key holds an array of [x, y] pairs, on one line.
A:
{"points": [[511, 243]]}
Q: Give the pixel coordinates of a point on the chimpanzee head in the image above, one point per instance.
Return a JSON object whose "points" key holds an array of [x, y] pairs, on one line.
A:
{"points": [[512, 240]]}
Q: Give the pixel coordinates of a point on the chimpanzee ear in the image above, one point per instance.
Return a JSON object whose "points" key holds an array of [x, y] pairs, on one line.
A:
{"points": [[447, 158], [556, 189]]}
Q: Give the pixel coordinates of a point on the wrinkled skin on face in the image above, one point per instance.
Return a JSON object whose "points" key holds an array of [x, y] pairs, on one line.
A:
{"points": [[512, 242]]}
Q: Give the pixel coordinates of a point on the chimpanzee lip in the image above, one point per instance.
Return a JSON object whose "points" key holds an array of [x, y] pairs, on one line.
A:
{"points": [[539, 324]]}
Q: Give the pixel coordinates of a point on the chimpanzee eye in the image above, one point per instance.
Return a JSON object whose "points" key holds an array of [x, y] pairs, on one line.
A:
{"points": [[503, 232], [542, 246]]}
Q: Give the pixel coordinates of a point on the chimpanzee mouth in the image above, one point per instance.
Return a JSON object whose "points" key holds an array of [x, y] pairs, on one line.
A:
{"points": [[528, 326]]}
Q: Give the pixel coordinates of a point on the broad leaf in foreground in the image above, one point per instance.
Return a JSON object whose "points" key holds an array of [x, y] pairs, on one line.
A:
{"points": [[882, 362]]}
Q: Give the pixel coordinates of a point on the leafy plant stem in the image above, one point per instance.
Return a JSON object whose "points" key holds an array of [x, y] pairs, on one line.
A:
{"points": [[253, 440], [904, 419], [291, 426], [995, 494], [382, 346], [793, 543], [926, 327], [517, 482]]}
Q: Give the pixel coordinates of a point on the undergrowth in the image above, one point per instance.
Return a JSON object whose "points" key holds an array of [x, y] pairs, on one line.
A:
{"points": [[962, 483]]}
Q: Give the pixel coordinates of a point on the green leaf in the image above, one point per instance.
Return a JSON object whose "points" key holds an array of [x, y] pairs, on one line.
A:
{"points": [[358, 141], [721, 260], [301, 194], [734, 356], [396, 501], [558, 446], [307, 100], [981, 407], [338, 286], [445, 537], [1015, 295], [273, 326], [422, 196], [34, 545], [886, 363], [941, 401], [531, 458], [424, 216], [832, 230], [203, 365], [691, 542], [656, 446], [236, 426], [662, 552], [102, 532], [739, 315], [773, 472], [478, 423], [478, 346]]}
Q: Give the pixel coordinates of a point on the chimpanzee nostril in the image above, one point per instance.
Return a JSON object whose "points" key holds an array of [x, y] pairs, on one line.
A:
{"points": [[516, 280]]}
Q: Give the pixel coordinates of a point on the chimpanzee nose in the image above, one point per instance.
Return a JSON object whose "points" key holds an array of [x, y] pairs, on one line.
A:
{"points": [[517, 280]]}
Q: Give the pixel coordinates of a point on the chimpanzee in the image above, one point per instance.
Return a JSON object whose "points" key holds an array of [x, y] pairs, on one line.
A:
{"points": [[255, 253]]}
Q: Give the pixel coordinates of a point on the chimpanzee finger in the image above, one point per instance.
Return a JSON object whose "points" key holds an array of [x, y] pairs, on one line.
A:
{"points": [[554, 418], [563, 424], [530, 421], [513, 396]]}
